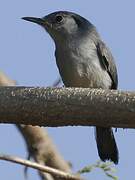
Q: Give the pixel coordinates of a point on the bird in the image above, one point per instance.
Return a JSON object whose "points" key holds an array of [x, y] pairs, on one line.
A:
{"points": [[83, 60]]}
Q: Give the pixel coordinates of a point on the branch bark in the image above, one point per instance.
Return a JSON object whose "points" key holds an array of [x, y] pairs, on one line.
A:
{"points": [[54, 172], [39, 145], [67, 106]]}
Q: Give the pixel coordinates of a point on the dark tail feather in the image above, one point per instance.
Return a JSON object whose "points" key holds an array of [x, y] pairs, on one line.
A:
{"points": [[106, 145]]}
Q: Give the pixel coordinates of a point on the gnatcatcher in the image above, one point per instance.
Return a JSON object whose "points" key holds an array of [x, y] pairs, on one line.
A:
{"points": [[83, 60]]}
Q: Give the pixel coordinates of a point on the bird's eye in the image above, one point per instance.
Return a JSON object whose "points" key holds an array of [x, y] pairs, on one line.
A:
{"points": [[58, 19]]}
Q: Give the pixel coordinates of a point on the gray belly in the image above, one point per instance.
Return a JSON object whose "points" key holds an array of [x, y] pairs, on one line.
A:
{"points": [[81, 68], [84, 73]]}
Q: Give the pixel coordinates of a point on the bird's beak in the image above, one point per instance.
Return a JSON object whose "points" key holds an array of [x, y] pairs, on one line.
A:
{"points": [[39, 21]]}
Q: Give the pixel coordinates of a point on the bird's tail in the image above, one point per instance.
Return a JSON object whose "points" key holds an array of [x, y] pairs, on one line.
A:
{"points": [[106, 145]]}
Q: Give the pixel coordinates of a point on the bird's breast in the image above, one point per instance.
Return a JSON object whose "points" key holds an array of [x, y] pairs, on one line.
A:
{"points": [[81, 68]]}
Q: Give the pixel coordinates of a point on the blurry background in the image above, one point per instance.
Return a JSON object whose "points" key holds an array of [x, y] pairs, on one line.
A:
{"points": [[27, 56]]}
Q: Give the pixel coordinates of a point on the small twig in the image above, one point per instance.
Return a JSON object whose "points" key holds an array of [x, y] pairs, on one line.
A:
{"points": [[39, 167]]}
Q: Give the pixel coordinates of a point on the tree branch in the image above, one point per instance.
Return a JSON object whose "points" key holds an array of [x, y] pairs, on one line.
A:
{"points": [[67, 106], [39, 145], [52, 171]]}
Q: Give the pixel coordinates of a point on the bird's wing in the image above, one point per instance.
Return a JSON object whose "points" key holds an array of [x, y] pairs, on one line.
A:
{"points": [[107, 62]]}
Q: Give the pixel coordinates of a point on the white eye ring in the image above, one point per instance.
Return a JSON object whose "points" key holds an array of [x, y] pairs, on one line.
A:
{"points": [[58, 18]]}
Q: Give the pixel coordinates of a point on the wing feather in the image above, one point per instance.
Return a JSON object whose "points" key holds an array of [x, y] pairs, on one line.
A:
{"points": [[107, 62]]}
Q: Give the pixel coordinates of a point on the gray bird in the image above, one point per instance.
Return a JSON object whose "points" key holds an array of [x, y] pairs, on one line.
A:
{"points": [[85, 61]]}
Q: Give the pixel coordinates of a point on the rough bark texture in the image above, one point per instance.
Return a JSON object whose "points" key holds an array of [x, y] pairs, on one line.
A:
{"points": [[67, 106], [39, 145]]}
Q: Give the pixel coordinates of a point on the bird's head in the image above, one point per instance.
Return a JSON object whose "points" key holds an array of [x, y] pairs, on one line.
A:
{"points": [[62, 25]]}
